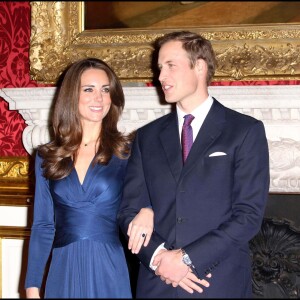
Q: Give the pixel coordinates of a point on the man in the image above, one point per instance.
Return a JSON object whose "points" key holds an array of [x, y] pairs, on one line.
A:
{"points": [[208, 206]]}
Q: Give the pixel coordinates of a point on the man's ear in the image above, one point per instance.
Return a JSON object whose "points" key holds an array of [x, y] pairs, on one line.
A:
{"points": [[200, 65], [201, 68]]}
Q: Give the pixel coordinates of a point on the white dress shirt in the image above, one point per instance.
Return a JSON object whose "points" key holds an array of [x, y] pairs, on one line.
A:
{"points": [[199, 113]]}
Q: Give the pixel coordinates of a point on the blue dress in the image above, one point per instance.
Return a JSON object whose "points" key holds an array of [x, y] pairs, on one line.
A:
{"points": [[76, 223]]}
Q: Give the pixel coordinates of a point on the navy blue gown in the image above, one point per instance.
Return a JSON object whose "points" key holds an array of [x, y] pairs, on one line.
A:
{"points": [[77, 224]]}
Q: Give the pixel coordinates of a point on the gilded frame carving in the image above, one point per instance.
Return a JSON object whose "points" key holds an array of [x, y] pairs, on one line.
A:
{"points": [[264, 52], [15, 175]]}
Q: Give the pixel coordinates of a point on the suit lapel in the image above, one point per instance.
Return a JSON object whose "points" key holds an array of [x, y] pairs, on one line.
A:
{"points": [[209, 131], [169, 138]]}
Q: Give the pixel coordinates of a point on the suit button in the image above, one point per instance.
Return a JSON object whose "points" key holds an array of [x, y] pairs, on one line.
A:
{"points": [[179, 220]]}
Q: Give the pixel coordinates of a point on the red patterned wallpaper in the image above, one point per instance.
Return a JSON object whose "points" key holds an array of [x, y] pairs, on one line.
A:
{"points": [[14, 72], [261, 82]]}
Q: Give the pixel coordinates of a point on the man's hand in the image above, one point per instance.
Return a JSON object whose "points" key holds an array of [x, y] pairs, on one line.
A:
{"points": [[173, 271], [170, 266], [190, 283]]}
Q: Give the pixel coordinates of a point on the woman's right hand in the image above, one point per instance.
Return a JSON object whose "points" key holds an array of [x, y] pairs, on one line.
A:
{"points": [[32, 293], [140, 229]]}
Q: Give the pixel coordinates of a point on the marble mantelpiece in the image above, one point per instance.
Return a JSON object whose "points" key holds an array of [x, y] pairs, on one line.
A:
{"points": [[277, 106]]}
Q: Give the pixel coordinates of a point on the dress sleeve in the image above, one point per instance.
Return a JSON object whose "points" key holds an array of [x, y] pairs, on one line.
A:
{"points": [[42, 230]]}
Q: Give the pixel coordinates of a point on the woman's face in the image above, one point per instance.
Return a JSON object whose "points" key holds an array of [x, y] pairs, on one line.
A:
{"points": [[94, 98]]}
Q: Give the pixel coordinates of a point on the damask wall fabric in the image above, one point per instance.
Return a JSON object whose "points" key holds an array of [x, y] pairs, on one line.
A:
{"points": [[14, 71]]}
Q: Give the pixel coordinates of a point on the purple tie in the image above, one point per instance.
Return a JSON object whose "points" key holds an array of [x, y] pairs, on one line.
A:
{"points": [[187, 136]]}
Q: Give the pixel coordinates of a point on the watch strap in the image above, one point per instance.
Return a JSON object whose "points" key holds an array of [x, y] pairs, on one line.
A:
{"points": [[191, 265]]}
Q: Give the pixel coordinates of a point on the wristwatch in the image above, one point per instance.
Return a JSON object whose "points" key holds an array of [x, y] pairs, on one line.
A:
{"points": [[187, 261]]}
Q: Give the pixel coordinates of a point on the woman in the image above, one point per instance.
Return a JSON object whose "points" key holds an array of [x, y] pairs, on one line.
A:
{"points": [[79, 181]]}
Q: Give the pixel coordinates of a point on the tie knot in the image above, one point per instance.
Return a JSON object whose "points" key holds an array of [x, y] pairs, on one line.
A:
{"points": [[188, 120]]}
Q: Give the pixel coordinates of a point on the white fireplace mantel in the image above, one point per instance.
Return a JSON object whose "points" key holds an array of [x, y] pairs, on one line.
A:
{"points": [[277, 106]]}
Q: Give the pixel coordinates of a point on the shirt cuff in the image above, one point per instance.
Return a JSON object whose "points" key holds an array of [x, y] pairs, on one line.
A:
{"points": [[161, 246]]}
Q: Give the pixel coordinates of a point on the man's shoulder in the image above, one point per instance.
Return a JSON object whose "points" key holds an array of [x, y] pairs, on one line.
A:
{"points": [[234, 115]]}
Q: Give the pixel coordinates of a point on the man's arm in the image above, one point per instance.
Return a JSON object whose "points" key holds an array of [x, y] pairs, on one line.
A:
{"points": [[136, 197], [251, 179]]}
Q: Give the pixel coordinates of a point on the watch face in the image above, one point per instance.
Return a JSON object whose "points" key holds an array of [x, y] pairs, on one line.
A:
{"points": [[186, 260]]}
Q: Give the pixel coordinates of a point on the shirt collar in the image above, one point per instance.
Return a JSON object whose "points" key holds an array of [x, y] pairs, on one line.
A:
{"points": [[200, 111]]}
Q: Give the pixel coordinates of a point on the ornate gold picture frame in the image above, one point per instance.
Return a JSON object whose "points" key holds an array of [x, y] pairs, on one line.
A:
{"points": [[252, 52]]}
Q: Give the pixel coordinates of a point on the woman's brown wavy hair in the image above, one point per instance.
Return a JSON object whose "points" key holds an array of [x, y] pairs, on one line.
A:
{"points": [[60, 153]]}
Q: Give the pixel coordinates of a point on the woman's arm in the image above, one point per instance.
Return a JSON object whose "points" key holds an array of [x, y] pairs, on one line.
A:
{"points": [[42, 230], [140, 229]]}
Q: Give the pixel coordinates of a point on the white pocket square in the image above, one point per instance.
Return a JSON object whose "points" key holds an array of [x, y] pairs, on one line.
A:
{"points": [[217, 154]]}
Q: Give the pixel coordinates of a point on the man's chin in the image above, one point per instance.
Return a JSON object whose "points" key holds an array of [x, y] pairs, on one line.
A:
{"points": [[170, 100]]}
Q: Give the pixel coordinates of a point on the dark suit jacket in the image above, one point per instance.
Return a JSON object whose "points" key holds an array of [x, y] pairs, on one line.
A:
{"points": [[212, 206]]}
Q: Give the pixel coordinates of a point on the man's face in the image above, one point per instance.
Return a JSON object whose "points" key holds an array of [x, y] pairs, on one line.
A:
{"points": [[179, 81]]}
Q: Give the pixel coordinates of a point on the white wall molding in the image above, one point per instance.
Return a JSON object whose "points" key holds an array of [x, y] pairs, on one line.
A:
{"points": [[277, 106]]}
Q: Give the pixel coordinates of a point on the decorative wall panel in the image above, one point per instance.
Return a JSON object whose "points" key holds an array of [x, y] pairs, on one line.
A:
{"points": [[277, 106]]}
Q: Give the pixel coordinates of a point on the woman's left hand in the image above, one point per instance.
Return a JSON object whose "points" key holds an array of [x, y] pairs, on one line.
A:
{"points": [[140, 230]]}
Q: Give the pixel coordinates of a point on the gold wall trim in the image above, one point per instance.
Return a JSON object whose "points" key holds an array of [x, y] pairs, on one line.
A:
{"points": [[252, 52], [15, 173], [14, 167], [15, 197], [14, 232]]}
